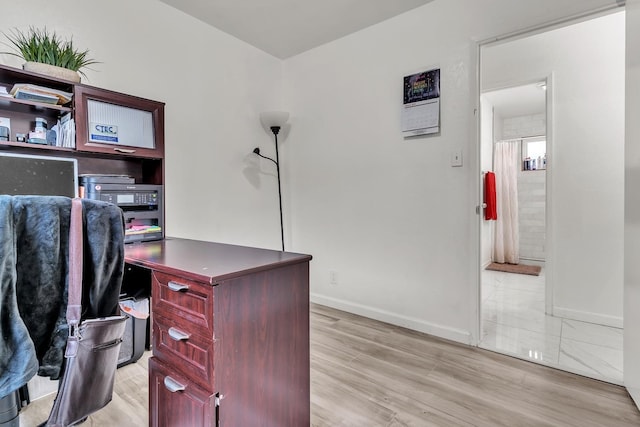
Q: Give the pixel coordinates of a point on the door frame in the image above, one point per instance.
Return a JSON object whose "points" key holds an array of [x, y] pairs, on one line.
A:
{"points": [[476, 55], [631, 314]]}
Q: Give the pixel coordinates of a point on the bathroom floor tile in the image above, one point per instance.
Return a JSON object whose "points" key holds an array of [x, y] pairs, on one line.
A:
{"points": [[526, 318], [594, 360], [591, 333], [514, 322], [526, 344]]}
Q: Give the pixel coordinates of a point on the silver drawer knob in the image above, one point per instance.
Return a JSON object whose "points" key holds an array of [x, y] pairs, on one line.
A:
{"points": [[178, 287], [172, 385], [178, 335]]}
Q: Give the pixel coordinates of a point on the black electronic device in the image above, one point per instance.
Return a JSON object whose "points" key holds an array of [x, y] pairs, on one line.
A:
{"points": [[88, 179], [141, 204]]}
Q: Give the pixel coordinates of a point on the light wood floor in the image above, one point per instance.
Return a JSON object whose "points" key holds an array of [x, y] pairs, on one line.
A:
{"points": [[366, 373]]}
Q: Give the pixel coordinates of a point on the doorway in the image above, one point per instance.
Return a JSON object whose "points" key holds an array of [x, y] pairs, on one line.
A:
{"points": [[570, 316], [515, 118]]}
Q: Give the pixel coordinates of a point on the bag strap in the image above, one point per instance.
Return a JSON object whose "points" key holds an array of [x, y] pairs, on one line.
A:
{"points": [[74, 302]]}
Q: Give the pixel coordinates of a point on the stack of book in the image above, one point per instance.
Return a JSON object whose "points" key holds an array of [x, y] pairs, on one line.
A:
{"points": [[42, 94]]}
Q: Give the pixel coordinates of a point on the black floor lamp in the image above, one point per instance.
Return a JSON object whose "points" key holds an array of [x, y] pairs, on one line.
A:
{"points": [[274, 120]]}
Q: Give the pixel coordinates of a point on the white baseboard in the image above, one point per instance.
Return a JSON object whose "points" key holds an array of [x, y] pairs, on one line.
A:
{"points": [[585, 316], [532, 261], [440, 331], [635, 395]]}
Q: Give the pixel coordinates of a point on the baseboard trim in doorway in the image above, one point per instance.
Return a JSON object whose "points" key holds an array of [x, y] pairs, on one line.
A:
{"points": [[531, 270]]}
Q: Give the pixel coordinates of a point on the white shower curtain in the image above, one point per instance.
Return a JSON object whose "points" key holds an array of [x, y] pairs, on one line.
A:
{"points": [[506, 240]]}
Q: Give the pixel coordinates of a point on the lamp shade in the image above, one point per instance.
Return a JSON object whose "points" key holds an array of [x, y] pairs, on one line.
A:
{"points": [[274, 118]]}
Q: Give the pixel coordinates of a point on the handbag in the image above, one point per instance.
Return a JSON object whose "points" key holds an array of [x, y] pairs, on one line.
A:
{"points": [[93, 345]]}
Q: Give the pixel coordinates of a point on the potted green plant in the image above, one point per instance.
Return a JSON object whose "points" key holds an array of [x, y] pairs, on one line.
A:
{"points": [[47, 53]]}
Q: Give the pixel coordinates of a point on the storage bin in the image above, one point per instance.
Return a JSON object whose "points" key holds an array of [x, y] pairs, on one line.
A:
{"points": [[134, 341], [9, 408]]}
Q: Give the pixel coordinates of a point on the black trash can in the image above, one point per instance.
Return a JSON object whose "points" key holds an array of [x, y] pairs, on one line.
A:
{"points": [[9, 409], [133, 340]]}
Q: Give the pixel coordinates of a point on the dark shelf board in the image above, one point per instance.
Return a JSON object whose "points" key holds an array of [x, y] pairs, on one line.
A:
{"points": [[31, 105], [34, 146]]}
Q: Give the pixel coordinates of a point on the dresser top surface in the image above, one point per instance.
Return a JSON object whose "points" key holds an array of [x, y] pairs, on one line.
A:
{"points": [[207, 262]]}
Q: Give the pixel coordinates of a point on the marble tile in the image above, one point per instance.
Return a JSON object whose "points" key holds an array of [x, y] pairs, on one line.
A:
{"points": [[524, 318], [487, 291], [514, 322], [512, 287], [517, 301], [596, 361], [591, 333], [525, 344], [504, 298], [510, 301]]}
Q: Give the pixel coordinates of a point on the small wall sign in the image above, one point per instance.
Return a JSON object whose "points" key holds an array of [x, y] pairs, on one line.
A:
{"points": [[100, 132]]}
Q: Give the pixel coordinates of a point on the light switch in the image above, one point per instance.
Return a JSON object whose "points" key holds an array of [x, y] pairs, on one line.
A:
{"points": [[456, 158]]}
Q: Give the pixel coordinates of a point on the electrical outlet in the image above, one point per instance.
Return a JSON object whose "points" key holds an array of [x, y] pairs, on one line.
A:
{"points": [[333, 277]]}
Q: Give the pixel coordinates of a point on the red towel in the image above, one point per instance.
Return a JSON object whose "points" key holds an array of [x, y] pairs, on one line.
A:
{"points": [[491, 211]]}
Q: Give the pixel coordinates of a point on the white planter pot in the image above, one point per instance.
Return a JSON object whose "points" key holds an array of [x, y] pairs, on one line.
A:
{"points": [[52, 71]]}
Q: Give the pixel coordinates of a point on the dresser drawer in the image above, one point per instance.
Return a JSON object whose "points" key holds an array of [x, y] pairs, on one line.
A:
{"points": [[185, 302], [174, 401], [184, 350]]}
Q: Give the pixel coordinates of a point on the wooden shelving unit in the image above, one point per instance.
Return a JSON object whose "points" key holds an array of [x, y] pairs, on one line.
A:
{"points": [[144, 164]]}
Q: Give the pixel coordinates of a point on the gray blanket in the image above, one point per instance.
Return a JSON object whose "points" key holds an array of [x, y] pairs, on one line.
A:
{"points": [[39, 240], [18, 361]]}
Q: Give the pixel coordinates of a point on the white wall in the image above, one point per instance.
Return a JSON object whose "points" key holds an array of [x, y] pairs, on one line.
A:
{"points": [[391, 216], [632, 206], [586, 158], [214, 87], [524, 126]]}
